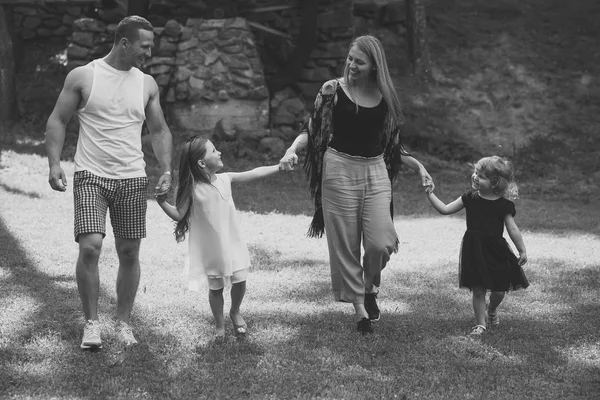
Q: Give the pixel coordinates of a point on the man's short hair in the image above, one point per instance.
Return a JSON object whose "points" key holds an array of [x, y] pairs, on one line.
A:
{"points": [[129, 28]]}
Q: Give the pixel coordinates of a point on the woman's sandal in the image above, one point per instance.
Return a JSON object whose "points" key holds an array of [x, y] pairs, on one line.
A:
{"points": [[239, 330]]}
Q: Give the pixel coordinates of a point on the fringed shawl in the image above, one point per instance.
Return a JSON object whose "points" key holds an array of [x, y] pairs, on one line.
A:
{"points": [[320, 132]]}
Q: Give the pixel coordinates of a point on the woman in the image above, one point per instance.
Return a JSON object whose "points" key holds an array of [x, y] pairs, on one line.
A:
{"points": [[354, 152]]}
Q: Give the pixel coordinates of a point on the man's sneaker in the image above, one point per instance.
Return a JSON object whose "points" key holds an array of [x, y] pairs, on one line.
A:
{"points": [[91, 336], [493, 320], [125, 334], [477, 331], [364, 326], [371, 306]]}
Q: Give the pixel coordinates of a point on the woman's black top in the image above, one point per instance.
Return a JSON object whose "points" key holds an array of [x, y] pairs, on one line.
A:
{"points": [[357, 133]]}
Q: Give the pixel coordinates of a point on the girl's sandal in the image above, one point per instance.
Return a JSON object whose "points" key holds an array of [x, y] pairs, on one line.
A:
{"points": [[219, 335], [239, 330]]}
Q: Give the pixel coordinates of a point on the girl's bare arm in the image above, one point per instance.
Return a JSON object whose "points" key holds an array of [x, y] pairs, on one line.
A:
{"points": [[443, 208], [175, 213], [253, 174], [516, 237]]}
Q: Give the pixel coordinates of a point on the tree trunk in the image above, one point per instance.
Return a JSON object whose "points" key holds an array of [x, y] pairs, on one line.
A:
{"points": [[306, 43], [9, 110], [138, 7], [418, 51]]}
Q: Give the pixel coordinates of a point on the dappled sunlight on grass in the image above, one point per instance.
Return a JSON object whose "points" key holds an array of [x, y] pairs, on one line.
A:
{"points": [[5, 273], [544, 311], [17, 306], [477, 351], [586, 354], [298, 334], [67, 285], [391, 306], [47, 341], [12, 161], [273, 334], [274, 309]]}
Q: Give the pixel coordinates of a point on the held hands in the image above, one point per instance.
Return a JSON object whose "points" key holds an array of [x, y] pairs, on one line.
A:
{"points": [[288, 161], [57, 179], [162, 188], [427, 181]]}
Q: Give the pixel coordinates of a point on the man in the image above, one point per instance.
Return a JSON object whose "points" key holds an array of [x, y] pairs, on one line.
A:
{"points": [[112, 99]]}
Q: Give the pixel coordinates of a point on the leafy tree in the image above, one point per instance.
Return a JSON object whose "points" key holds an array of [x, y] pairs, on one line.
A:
{"points": [[307, 41], [418, 51], [138, 7], [9, 110]]}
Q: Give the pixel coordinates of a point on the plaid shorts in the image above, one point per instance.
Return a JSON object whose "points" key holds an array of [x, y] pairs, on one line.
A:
{"points": [[124, 198]]}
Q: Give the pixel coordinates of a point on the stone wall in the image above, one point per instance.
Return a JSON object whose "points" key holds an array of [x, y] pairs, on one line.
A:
{"points": [[338, 22], [34, 21], [335, 23], [209, 75], [212, 82], [212, 72]]}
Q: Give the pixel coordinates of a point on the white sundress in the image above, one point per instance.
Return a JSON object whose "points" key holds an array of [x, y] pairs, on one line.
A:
{"points": [[216, 246]]}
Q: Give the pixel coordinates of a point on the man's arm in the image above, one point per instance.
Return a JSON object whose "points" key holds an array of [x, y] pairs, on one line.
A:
{"points": [[162, 140], [65, 106]]}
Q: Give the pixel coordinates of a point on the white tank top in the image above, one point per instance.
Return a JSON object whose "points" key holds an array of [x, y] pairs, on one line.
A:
{"points": [[110, 132]]}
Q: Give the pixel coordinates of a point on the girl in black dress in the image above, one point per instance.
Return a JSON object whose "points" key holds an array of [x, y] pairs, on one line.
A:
{"points": [[486, 260]]}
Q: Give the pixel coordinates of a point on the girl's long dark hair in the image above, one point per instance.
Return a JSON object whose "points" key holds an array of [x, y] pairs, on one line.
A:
{"points": [[190, 172]]}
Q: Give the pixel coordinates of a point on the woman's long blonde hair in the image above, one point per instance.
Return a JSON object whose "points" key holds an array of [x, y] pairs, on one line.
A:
{"points": [[373, 48]]}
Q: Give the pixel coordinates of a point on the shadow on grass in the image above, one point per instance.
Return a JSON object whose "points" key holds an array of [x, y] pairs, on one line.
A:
{"points": [[9, 189], [266, 260], [421, 350], [49, 321], [420, 343], [418, 347]]}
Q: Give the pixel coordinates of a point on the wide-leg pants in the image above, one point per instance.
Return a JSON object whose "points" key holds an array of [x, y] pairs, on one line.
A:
{"points": [[356, 196]]}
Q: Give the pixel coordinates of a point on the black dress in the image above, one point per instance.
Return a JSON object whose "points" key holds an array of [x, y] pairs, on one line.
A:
{"points": [[486, 260]]}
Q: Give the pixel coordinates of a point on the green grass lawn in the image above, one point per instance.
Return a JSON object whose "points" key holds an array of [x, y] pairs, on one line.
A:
{"points": [[301, 343]]}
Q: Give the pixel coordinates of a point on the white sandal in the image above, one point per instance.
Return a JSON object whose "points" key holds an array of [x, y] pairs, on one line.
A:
{"points": [[477, 330]]}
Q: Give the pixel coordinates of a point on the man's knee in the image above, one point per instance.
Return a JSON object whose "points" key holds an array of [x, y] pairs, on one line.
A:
{"points": [[89, 248], [128, 249]]}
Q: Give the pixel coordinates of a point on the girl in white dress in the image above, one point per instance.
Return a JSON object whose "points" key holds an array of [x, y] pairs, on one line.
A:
{"points": [[204, 208]]}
